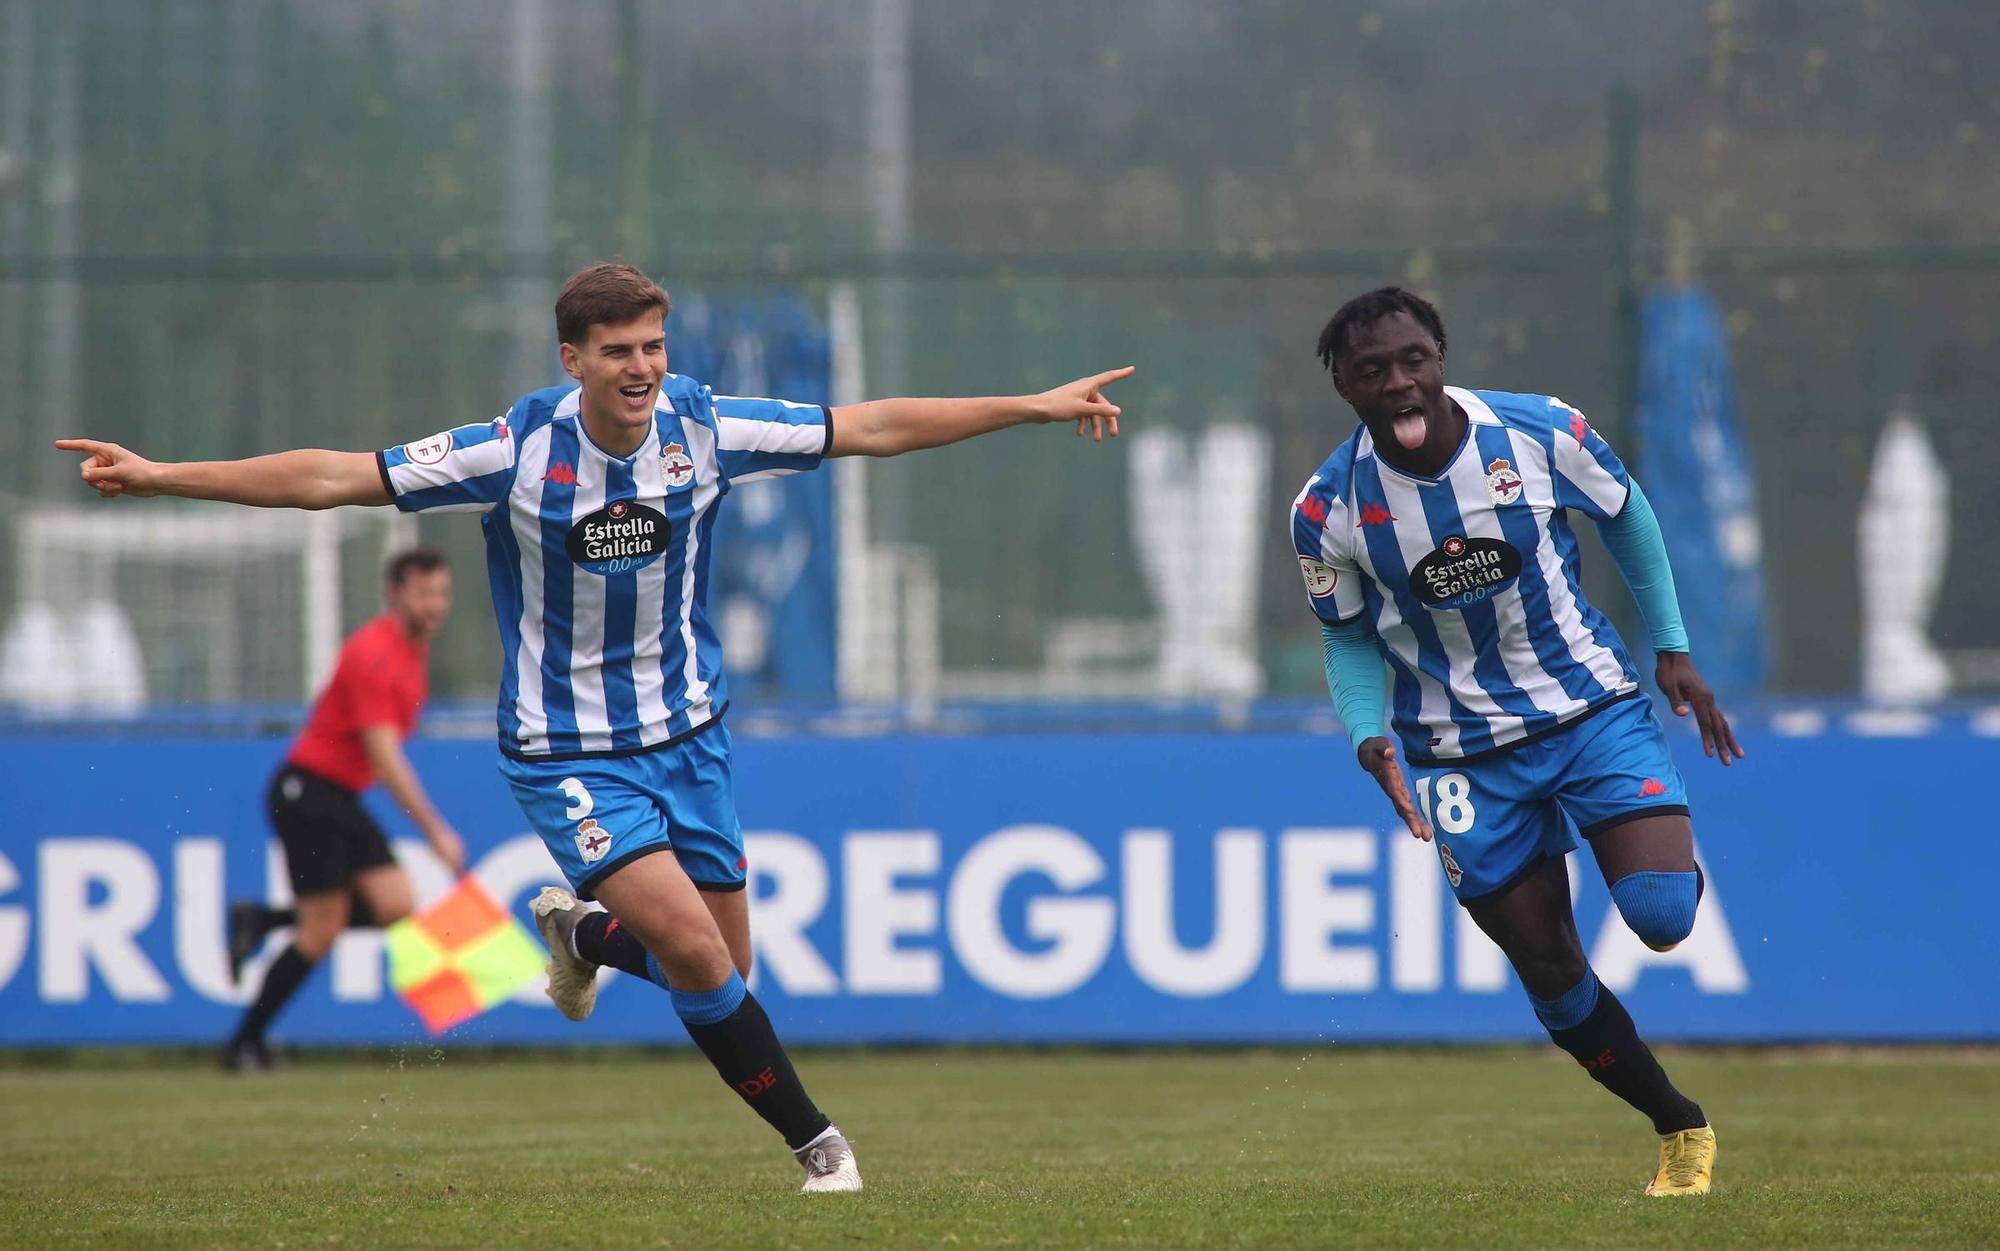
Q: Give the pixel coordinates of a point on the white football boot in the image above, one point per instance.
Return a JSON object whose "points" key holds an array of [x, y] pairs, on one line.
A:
{"points": [[829, 1164], [572, 979]]}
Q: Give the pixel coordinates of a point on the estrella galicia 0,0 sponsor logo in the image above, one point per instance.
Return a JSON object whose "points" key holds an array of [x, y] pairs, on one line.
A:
{"points": [[620, 537], [1462, 571]]}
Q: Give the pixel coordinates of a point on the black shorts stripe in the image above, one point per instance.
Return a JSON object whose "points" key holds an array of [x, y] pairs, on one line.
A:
{"points": [[1611, 823]]}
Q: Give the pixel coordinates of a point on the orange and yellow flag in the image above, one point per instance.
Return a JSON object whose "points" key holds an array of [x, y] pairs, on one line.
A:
{"points": [[460, 956]]}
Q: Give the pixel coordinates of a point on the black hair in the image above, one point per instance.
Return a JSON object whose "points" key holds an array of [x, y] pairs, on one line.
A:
{"points": [[414, 560], [1366, 309]]}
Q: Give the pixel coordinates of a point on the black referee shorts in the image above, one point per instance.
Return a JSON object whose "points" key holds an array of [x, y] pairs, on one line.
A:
{"points": [[328, 836]]}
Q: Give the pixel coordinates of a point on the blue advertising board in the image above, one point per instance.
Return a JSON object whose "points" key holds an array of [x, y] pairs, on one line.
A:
{"points": [[1135, 888]]}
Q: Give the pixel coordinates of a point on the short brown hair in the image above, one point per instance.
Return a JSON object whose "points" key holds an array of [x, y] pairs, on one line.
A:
{"points": [[414, 560], [605, 295]]}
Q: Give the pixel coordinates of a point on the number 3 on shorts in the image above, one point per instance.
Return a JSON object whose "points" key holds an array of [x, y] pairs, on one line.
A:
{"points": [[580, 802], [1455, 813]]}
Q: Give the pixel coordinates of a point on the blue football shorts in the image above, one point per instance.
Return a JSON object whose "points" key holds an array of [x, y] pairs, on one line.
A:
{"points": [[1496, 818], [597, 815]]}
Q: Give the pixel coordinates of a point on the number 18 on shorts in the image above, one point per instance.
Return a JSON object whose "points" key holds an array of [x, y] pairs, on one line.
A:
{"points": [[1497, 817]]}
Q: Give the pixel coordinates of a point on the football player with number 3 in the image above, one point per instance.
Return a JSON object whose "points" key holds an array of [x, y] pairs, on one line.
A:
{"points": [[598, 502], [1437, 538]]}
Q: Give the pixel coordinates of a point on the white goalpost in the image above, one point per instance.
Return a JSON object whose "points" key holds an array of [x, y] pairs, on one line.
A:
{"points": [[116, 610]]}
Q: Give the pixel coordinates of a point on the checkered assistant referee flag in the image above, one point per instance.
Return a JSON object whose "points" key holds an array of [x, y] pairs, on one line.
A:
{"points": [[460, 956]]}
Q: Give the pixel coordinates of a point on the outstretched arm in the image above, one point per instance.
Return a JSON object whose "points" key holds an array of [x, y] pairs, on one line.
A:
{"points": [[892, 427], [1634, 540], [308, 478]]}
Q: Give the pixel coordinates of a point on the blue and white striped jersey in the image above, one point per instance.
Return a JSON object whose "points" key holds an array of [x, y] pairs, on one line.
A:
{"points": [[1471, 578], [599, 564]]}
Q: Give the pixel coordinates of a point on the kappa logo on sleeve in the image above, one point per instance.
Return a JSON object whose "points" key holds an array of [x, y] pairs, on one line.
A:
{"points": [[1578, 427], [1320, 577], [429, 451]]}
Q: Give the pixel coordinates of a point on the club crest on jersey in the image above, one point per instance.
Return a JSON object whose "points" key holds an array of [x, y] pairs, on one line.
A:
{"points": [[620, 537], [1502, 483], [592, 841], [1321, 577], [1462, 571], [675, 466]]}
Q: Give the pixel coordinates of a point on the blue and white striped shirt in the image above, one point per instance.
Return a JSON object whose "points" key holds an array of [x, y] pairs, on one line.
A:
{"points": [[599, 564], [1471, 578]]}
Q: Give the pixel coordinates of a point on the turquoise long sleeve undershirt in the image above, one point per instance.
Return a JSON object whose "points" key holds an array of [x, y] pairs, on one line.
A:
{"points": [[1354, 676], [1640, 551], [1354, 666]]}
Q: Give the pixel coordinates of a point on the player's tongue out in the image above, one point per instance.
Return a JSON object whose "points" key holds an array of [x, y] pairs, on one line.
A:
{"points": [[1410, 426]]}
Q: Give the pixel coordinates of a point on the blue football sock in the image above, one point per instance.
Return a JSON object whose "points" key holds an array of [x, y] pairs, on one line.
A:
{"points": [[1658, 907], [1572, 1007], [706, 1007]]}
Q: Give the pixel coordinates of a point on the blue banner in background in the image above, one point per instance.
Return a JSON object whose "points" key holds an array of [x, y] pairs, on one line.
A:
{"points": [[776, 536], [1032, 889], [1696, 470]]}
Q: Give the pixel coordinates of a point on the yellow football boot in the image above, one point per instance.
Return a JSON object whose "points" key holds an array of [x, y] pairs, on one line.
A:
{"points": [[1687, 1163]]}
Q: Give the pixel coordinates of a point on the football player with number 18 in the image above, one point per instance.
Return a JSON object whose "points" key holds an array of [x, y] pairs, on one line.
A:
{"points": [[1437, 538]]}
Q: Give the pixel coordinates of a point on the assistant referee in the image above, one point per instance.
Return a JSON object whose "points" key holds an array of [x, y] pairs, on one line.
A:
{"points": [[342, 870]]}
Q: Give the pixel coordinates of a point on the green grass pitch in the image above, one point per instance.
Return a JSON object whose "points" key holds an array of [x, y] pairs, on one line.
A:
{"points": [[1486, 1148]]}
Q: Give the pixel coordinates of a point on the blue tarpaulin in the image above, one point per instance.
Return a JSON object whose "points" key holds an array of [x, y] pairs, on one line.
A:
{"points": [[772, 590], [1696, 470]]}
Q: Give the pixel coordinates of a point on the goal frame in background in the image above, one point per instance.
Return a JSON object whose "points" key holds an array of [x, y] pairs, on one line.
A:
{"points": [[75, 646]]}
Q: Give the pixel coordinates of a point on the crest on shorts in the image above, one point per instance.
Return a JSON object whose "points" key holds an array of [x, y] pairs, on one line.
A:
{"points": [[1452, 872], [675, 466], [1502, 483], [592, 841]]}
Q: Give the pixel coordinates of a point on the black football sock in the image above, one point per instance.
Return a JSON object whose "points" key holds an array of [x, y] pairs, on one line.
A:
{"points": [[730, 1027], [281, 982], [601, 940], [1609, 1048], [252, 921]]}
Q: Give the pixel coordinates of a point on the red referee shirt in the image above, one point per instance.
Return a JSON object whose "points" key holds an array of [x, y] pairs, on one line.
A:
{"points": [[381, 679]]}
